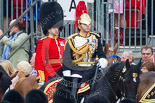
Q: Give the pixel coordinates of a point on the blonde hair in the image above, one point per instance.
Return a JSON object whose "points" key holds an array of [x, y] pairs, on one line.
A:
{"points": [[25, 67], [8, 67]]}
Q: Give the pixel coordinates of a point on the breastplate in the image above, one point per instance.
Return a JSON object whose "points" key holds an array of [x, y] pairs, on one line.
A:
{"points": [[86, 48]]}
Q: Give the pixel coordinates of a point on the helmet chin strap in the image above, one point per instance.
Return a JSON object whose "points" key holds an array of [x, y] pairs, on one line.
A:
{"points": [[53, 34]]}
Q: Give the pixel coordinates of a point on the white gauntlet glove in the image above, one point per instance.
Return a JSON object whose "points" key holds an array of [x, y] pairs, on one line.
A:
{"points": [[41, 83], [102, 62]]}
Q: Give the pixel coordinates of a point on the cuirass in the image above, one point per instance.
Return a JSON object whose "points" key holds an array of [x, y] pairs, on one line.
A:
{"points": [[84, 49]]}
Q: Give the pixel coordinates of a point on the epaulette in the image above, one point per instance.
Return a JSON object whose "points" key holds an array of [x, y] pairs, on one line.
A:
{"points": [[72, 36], [43, 38], [95, 34]]}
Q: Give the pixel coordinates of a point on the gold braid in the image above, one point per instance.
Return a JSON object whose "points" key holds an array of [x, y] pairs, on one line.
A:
{"points": [[83, 51]]}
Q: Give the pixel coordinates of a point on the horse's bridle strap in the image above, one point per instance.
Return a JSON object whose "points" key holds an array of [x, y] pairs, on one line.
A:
{"points": [[113, 56]]}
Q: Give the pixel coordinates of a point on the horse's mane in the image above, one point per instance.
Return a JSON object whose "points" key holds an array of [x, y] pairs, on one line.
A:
{"points": [[114, 68]]}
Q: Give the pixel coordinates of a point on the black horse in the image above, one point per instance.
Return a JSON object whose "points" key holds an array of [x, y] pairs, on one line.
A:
{"points": [[121, 81]]}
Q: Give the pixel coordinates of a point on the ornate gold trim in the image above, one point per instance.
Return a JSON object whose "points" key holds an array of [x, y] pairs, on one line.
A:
{"points": [[144, 100], [95, 34]]}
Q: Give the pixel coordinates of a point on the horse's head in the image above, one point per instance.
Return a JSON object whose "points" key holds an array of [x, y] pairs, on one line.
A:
{"points": [[111, 54], [130, 80]]}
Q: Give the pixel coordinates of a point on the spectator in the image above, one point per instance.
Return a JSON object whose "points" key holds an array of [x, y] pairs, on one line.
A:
{"points": [[8, 67], [24, 70], [13, 96], [128, 55], [17, 37], [35, 93], [146, 52], [147, 66], [32, 62], [118, 10]]}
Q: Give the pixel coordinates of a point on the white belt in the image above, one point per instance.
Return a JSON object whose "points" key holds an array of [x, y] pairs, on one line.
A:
{"points": [[85, 65]]}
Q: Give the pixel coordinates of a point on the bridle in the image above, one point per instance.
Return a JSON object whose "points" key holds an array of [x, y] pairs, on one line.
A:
{"points": [[113, 56], [122, 86]]}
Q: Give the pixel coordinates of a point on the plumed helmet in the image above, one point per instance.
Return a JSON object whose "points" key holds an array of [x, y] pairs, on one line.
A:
{"points": [[80, 9], [51, 15], [85, 19]]}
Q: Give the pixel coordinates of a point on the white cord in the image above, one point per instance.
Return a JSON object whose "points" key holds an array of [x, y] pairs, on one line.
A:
{"points": [[58, 49]]}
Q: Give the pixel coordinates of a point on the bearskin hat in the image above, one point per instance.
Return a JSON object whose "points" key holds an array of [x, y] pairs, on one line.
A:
{"points": [[51, 15], [13, 96], [36, 96]]}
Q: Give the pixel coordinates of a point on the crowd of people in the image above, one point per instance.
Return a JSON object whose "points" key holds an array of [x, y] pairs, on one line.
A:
{"points": [[75, 57]]}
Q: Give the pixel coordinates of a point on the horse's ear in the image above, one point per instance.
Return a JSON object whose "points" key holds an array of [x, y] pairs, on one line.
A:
{"points": [[106, 48], [115, 48], [127, 63]]}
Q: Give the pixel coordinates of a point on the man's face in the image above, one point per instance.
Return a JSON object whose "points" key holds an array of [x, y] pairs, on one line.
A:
{"points": [[125, 56], [146, 54], [13, 29], [84, 27], [54, 31]]}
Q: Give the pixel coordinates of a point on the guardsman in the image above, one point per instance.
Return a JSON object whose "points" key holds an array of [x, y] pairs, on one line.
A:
{"points": [[83, 50], [50, 49]]}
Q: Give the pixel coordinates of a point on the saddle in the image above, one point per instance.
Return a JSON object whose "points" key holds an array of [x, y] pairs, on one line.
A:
{"points": [[51, 87]]}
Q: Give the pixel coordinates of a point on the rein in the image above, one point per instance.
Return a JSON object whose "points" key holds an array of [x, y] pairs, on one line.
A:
{"points": [[116, 97], [113, 56]]}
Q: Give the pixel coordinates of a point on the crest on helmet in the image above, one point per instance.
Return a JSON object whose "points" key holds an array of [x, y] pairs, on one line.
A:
{"points": [[81, 15]]}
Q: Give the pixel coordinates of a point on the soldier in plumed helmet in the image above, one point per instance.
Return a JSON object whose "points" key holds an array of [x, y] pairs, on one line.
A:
{"points": [[50, 49], [82, 50], [80, 60]]}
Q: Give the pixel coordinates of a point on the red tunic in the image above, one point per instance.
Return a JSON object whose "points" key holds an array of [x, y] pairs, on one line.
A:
{"points": [[47, 49]]}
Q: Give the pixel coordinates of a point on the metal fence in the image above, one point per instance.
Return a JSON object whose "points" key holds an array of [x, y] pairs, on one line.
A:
{"points": [[137, 17], [137, 28]]}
